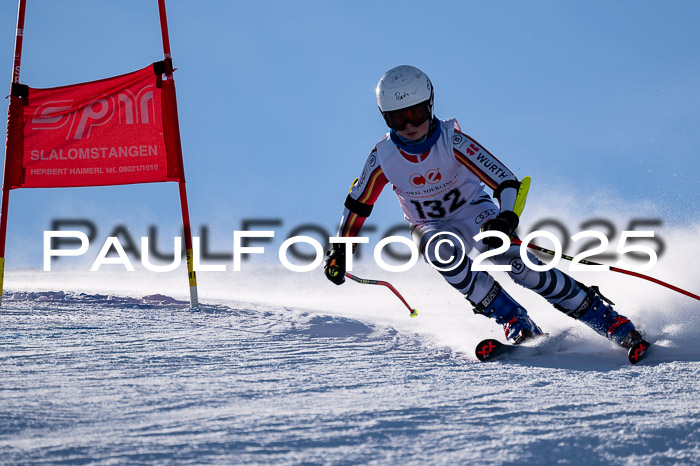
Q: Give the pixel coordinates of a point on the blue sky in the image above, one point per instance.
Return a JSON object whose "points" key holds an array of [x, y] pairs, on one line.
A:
{"points": [[277, 107]]}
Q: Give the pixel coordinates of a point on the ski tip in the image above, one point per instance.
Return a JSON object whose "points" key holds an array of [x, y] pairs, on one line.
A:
{"points": [[487, 348], [637, 351]]}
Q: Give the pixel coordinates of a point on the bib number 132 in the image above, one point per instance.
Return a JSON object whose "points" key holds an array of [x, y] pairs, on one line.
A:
{"points": [[438, 208]]}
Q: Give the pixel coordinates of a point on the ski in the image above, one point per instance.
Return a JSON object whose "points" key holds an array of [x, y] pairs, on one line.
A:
{"points": [[638, 351], [491, 349]]}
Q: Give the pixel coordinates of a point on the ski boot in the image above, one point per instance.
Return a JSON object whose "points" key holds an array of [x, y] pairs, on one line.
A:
{"points": [[500, 306], [596, 311]]}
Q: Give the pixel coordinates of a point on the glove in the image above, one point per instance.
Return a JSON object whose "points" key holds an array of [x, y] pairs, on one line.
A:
{"points": [[506, 222], [334, 266]]}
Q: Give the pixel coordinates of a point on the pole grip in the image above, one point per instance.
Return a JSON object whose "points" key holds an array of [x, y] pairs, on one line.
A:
{"points": [[522, 196]]}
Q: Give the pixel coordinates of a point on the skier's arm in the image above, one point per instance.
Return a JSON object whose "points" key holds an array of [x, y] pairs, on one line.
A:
{"points": [[358, 206], [491, 171], [363, 194], [496, 176]]}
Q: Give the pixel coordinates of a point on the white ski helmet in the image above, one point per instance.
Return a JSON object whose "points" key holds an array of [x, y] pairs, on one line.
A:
{"points": [[404, 86]]}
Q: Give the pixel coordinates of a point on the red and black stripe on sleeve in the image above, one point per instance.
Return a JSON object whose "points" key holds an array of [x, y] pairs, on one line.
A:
{"points": [[359, 202]]}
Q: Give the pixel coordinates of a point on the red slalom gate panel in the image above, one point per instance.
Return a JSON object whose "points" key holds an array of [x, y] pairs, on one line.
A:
{"points": [[107, 132]]}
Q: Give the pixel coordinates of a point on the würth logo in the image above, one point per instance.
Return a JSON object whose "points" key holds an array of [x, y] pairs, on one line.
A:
{"points": [[432, 176], [78, 120]]}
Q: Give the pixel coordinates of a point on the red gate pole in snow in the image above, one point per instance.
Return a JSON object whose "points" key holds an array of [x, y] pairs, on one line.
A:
{"points": [[14, 173], [14, 101], [194, 301]]}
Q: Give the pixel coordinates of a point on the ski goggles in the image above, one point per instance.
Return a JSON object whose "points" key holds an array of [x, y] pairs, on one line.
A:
{"points": [[416, 115]]}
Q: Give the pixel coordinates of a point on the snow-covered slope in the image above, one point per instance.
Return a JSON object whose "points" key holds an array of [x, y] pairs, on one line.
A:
{"points": [[283, 367], [99, 378]]}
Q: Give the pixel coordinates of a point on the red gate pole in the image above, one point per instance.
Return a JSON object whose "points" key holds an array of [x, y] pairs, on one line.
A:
{"points": [[194, 300], [14, 101]]}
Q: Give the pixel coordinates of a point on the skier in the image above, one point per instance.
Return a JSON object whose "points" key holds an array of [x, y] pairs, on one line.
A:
{"points": [[438, 173]]}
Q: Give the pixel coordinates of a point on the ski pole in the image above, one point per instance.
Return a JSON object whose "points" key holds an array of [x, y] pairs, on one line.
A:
{"points": [[364, 281], [610, 267]]}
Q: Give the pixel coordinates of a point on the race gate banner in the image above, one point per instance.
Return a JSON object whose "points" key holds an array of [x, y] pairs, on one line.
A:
{"points": [[118, 130]]}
